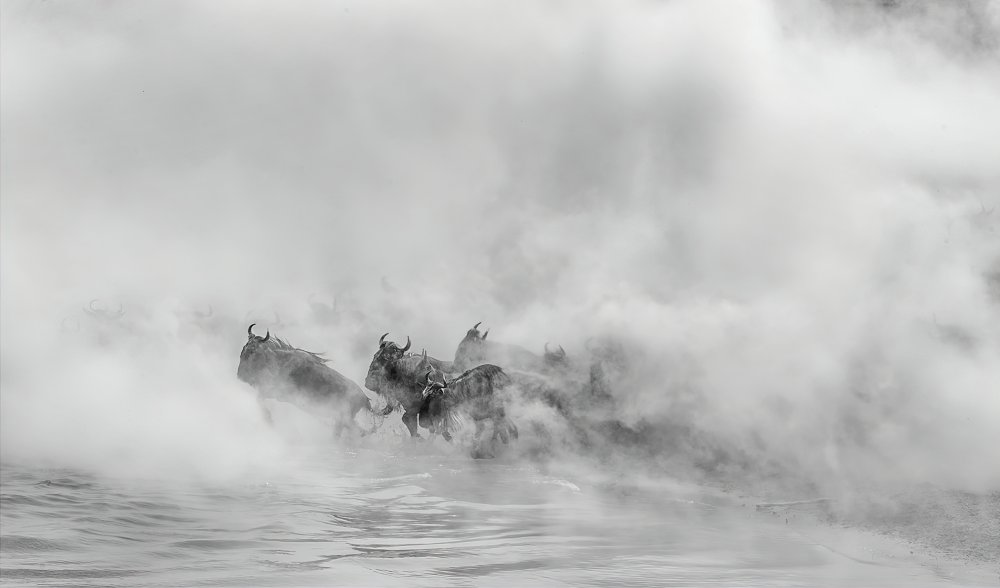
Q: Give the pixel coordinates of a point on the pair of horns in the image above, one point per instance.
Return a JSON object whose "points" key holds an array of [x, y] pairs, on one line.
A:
{"points": [[427, 379], [475, 327], [382, 342], [250, 333]]}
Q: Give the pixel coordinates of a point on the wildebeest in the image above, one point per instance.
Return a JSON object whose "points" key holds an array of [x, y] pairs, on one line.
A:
{"points": [[556, 359], [276, 369], [445, 367], [554, 392], [475, 350], [608, 363], [477, 393], [400, 379]]}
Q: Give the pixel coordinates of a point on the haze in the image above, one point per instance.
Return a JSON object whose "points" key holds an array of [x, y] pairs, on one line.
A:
{"points": [[785, 209]]}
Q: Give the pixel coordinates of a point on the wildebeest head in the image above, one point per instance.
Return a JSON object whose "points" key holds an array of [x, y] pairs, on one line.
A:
{"points": [[253, 357], [435, 410], [555, 358], [383, 362], [102, 313], [434, 381], [472, 349]]}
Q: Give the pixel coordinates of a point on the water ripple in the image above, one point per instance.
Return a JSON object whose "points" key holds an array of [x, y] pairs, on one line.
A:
{"points": [[408, 523]]}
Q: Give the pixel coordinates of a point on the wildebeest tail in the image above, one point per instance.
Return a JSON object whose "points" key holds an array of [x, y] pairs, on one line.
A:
{"points": [[361, 401]]}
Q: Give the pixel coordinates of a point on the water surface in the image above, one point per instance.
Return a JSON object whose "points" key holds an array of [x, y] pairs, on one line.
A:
{"points": [[418, 516]]}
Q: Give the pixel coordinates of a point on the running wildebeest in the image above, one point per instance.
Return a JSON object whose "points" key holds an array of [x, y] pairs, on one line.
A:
{"points": [[477, 393], [556, 360], [399, 378], [278, 370], [445, 367], [608, 361], [475, 350]]}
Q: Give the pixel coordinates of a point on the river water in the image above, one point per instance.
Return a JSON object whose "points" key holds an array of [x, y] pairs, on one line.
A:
{"points": [[387, 512]]}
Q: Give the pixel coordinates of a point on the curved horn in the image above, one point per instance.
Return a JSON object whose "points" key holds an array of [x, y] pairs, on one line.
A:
{"points": [[381, 340], [484, 334], [250, 330], [266, 337], [407, 343], [476, 326], [562, 351]]}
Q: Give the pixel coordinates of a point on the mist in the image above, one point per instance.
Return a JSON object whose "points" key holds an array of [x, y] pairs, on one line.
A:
{"points": [[785, 211]]}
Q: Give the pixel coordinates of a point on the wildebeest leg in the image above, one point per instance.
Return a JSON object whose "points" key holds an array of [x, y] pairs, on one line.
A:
{"points": [[500, 430], [344, 425], [410, 420], [479, 451], [424, 420], [264, 410], [361, 404], [502, 427]]}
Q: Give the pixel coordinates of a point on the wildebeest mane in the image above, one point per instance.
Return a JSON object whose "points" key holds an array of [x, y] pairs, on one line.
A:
{"points": [[282, 345]]}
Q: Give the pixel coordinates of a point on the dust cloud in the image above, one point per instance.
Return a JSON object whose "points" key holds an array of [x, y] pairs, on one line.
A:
{"points": [[782, 212]]}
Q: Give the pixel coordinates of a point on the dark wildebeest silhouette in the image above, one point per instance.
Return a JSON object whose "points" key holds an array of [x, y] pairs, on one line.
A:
{"points": [[477, 393], [399, 378], [278, 370]]}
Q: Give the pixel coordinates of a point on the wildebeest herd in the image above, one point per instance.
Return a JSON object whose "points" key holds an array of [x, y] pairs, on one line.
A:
{"points": [[431, 393], [479, 384]]}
